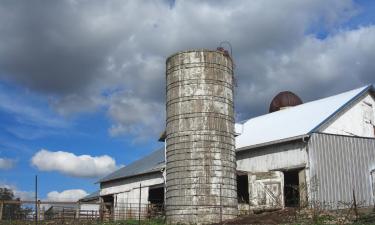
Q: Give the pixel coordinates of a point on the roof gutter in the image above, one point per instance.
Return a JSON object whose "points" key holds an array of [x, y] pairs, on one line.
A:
{"points": [[302, 137]]}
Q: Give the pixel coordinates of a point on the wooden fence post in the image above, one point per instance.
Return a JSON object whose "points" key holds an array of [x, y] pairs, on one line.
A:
{"points": [[1, 210], [38, 212], [78, 210]]}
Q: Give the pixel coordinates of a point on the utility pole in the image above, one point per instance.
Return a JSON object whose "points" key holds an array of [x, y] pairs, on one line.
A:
{"points": [[36, 199]]}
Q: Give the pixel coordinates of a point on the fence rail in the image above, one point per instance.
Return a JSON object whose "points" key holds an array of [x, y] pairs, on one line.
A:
{"points": [[67, 211], [49, 210]]}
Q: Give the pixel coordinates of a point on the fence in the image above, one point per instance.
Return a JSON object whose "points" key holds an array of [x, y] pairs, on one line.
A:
{"points": [[63, 211], [72, 211]]}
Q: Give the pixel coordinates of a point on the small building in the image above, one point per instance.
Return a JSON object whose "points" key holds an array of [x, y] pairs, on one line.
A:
{"points": [[138, 186], [89, 206], [320, 152]]}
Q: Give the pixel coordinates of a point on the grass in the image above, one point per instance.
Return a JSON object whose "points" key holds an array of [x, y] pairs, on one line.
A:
{"points": [[157, 221]]}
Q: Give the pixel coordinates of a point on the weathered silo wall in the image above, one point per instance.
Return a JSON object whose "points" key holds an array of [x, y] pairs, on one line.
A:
{"points": [[200, 168]]}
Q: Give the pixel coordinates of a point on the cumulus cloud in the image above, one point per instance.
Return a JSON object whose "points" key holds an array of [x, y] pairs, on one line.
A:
{"points": [[111, 54], [23, 195], [6, 163], [73, 165], [66, 195]]}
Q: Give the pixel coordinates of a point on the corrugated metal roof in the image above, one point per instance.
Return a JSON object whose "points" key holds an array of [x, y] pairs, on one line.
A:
{"points": [[147, 164], [295, 121], [91, 196]]}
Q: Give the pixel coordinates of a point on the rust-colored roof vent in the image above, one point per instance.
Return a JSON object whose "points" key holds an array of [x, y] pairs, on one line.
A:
{"points": [[283, 100]]}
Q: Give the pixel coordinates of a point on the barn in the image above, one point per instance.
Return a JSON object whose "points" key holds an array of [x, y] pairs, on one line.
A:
{"points": [[299, 154]]}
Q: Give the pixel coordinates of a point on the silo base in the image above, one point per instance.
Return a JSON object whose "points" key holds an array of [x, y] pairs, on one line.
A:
{"points": [[200, 215]]}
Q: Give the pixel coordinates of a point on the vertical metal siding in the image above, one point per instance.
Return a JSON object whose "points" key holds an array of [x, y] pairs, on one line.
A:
{"points": [[341, 164]]}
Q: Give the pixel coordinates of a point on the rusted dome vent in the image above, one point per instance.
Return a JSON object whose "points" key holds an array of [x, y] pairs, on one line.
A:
{"points": [[283, 100]]}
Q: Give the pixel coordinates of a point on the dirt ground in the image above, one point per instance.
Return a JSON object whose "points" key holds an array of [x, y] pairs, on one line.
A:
{"points": [[276, 217], [293, 216]]}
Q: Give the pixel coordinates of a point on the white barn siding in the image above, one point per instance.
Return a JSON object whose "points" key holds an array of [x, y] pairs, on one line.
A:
{"points": [[339, 165], [358, 120], [129, 184], [89, 210], [126, 193], [274, 157]]}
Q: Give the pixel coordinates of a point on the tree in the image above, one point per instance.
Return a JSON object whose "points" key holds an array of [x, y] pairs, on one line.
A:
{"points": [[12, 211]]}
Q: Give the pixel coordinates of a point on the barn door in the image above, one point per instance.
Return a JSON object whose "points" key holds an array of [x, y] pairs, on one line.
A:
{"points": [[266, 190]]}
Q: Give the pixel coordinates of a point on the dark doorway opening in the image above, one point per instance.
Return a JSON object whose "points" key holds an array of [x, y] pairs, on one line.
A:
{"points": [[108, 201], [156, 200], [243, 189], [156, 195], [291, 188]]}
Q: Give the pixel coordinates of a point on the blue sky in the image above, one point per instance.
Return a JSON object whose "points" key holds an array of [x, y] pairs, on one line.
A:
{"points": [[22, 136], [82, 83]]}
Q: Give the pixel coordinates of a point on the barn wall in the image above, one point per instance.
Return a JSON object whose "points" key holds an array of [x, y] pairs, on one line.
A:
{"points": [[339, 165], [89, 210], [273, 157], [128, 184], [358, 120], [126, 194]]}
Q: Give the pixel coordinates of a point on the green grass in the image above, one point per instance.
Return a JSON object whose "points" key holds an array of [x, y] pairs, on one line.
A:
{"points": [[157, 221]]}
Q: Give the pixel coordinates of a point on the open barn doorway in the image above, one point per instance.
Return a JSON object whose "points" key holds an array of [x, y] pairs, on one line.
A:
{"points": [[156, 195], [242, 188], [295, 188], [108, 206], [156, 200]]}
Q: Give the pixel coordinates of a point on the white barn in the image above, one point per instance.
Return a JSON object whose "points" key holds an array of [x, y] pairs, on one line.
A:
{"points": [[320, 152]]}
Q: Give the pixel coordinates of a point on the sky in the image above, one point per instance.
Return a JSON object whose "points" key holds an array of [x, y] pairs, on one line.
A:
{"points": [[82, 83]]}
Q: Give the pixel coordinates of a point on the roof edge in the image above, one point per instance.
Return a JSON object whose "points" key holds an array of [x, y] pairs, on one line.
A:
{"points": [[134, 175], [369, 87], [273, 142]]}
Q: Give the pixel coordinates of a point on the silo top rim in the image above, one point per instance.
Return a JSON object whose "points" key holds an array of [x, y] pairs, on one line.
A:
{"points": [[195, 50]]}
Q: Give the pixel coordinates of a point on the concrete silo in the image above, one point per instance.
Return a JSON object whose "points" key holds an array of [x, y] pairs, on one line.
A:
{"points": [[201, 168]]}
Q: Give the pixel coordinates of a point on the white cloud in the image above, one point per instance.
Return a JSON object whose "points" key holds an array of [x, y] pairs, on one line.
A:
{"points": [[66, 195], [6, 163], [23, 195], [73, 165], [112, 54], [70, 195]]}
